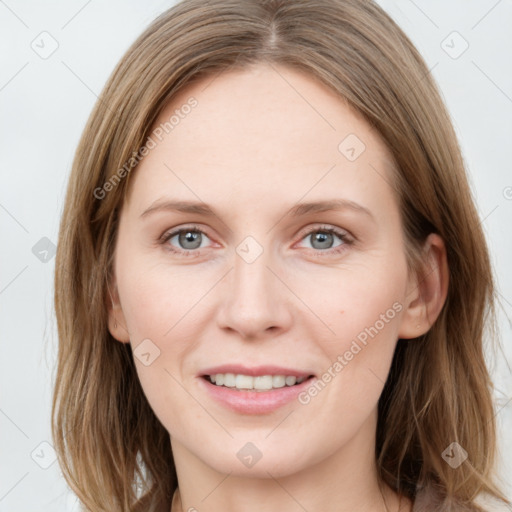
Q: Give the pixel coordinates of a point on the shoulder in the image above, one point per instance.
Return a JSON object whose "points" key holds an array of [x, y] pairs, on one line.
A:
{"points": [[493, 505], [429, 500]]}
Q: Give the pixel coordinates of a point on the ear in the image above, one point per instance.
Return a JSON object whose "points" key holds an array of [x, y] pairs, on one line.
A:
{"points": [[427, 290], [116, 320]]}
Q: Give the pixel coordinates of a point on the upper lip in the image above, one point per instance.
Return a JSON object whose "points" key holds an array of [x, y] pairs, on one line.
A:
{"points": [[254, 371]]}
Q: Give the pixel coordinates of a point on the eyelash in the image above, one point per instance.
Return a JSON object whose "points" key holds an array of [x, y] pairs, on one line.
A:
{"points": [[342, 235]]}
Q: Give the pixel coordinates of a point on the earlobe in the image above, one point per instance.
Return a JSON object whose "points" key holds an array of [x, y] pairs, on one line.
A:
{"points": [[116, 320], [427, 291]]}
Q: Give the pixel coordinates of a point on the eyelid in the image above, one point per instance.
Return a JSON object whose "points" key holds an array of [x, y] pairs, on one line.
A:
{"points": [[172, 232], [324, 227], [344, 235]]}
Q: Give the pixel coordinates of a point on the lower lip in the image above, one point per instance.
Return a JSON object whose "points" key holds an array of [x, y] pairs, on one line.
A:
{"points": [[254, 402]]}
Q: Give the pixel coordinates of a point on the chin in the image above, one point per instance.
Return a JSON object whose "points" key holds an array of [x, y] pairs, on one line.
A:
{"points": [[245, 459]]}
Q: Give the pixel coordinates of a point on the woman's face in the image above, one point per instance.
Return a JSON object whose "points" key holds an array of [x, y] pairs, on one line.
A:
{"points": [[264, 281]]}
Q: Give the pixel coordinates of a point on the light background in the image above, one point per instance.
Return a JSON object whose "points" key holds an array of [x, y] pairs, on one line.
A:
{"points": [[44, 104]]}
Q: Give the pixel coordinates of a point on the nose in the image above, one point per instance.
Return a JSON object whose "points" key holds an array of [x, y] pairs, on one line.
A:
{"points": [[255, 303]]}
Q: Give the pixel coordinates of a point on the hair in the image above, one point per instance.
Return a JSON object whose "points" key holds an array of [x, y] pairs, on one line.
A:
{"points": [[114, 452]]}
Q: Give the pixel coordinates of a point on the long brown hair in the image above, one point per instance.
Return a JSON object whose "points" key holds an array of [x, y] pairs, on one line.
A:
{"points": [[113, 451]]}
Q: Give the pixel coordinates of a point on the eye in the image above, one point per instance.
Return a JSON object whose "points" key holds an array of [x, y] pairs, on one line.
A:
{"points": [[185, 240], [322, 239]]}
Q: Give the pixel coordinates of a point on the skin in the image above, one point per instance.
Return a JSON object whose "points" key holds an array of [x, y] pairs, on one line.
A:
{"points": [[259, 141]]}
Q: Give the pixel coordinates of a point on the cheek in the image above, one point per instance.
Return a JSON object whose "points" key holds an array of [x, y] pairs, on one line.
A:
{"points": [[160, 301], [160, 321], [163, 313], [364, 311], [356, 300]]}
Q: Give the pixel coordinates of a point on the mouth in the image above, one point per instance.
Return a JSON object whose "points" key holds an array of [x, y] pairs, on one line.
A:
{"points": [[260, 390], [258, 383]]}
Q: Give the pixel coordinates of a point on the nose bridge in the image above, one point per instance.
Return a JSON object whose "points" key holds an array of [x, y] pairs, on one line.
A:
{"points": [[251, 276], [254, 301]]}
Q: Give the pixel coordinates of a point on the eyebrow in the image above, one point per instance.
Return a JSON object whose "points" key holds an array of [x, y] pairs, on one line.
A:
{"points": [[200, 208], [194, 207]]}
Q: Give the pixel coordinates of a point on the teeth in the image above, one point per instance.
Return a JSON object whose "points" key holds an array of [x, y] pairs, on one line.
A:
{"points": [[259, 383], [263, 382], [290, 381], [278, 381], [243, 382], [229, 380]]}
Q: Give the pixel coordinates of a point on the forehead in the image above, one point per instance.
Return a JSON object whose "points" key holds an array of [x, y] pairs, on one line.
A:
{"points": [[264, 131]]}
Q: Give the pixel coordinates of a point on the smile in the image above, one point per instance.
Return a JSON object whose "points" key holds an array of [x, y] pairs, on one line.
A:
{"points": [[256, 383], [253, 390]]}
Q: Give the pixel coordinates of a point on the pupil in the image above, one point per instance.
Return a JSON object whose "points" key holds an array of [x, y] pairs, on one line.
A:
{"points": [[323, 239], [190, 237]]}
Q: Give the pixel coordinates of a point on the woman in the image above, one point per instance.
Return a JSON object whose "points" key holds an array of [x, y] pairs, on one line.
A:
{"points": [[271, 281]]}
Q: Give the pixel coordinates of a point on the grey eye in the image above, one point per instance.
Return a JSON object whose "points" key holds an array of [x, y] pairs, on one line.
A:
{"points": [[324, 240], [189, 239]]}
